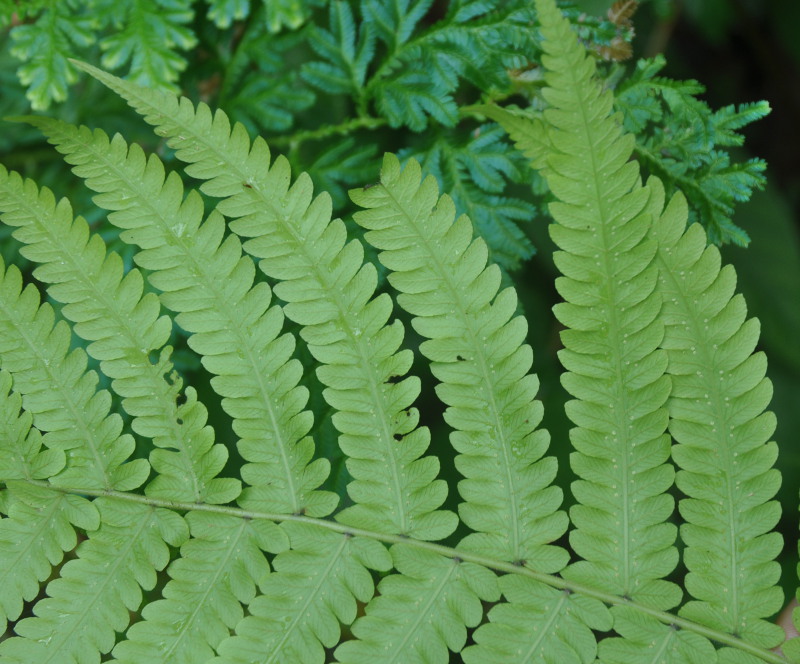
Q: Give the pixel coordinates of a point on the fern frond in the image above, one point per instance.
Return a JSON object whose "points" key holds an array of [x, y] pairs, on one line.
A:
{"points": [[680, 140], [91, 285], [718, 420], [43, 45], [316, 587], [329, 291], [60, 393], [95, 593], [475, 342], [615, 369], [152, 30], [347, 55]]}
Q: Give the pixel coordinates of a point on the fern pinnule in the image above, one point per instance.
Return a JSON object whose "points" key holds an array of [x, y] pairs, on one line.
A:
{"points": [[614, 366], [91, 285]]}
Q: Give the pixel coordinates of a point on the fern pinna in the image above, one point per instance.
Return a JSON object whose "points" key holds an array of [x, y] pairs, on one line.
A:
{"points": [[171, 560]]}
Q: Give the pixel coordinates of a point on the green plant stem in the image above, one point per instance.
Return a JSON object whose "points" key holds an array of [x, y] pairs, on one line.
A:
{"points": [[498, 565], [343, 128]]}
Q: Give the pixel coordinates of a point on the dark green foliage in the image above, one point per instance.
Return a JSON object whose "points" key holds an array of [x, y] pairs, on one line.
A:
{"points": [[338, 83], [680, 139]]}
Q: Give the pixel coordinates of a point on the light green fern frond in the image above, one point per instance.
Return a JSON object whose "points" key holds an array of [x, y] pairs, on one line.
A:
{"points": [[718, 390], [615, 368], [475, 342], [194, 567], [91, 285], [718, 420], [329, 291]]}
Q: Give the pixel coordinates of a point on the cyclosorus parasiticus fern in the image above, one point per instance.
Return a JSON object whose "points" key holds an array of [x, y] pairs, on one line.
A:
{"points": [[179, 549]]}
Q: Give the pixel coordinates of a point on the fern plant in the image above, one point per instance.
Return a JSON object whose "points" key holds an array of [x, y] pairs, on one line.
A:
{"points": [[335, 84], [123, 535]]}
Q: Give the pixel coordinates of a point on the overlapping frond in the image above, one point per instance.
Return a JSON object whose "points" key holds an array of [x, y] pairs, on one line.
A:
{"points": [[126, 331], [718, 420], [475, 343], [329, 291], [682, 141], [61, 394], [616, 372], [95, 592]]}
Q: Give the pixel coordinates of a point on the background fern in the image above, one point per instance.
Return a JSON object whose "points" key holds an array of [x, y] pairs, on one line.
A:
{"points": [[255, 572]]}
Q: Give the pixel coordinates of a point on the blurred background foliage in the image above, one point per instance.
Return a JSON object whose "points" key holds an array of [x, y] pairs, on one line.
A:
{"points": [[332, 85]]}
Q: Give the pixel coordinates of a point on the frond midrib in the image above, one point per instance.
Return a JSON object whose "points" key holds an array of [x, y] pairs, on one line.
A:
{"points": [[448, 552]]}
